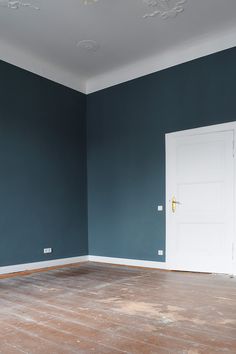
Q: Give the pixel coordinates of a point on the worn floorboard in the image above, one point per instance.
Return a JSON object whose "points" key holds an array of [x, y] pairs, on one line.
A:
{"points": [[95, 308]]}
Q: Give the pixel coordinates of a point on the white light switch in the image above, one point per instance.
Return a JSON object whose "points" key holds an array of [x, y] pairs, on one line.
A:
{"points": [[160, 207], [160, 252]]}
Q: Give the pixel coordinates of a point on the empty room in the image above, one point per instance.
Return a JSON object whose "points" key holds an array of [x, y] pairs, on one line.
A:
{"points": [[117, 176]]}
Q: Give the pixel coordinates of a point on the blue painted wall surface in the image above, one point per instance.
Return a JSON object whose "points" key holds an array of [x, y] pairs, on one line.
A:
{"points": [[43, 179], [126, 148], [43, 192]]}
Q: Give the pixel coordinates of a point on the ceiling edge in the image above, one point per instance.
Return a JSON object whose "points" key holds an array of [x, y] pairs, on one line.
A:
{"points": [[31, 63], [189, 51]]}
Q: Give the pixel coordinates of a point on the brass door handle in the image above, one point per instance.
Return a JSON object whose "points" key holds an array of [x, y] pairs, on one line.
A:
{"points": [[173, 204]]}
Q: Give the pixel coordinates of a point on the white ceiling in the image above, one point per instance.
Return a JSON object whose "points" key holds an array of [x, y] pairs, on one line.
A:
{"points": [[129, 46]]}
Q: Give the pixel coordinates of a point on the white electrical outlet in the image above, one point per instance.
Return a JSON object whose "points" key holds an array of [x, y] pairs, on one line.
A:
{"points": [[160, 252], [160, 208], [47, 250]]}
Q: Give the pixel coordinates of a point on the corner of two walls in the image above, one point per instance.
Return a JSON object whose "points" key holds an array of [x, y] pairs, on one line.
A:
{"points": [[43, 181], [84, 174]]}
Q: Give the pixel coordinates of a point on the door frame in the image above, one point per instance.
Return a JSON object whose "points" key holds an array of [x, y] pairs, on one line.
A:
{"points": [[184, 133]]}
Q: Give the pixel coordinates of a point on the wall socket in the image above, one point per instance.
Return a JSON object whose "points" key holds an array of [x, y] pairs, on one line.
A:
{"points": [[160, 252], [47, 250]]}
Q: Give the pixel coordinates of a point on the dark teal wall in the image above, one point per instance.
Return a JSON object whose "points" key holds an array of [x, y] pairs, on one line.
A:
{"points": [[126, 152], [43, 180], [43, 195]]}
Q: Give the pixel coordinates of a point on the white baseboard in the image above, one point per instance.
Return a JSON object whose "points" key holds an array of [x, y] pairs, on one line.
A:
{"points": [[44, 264], [72, 260], [139, 263], [129, 262], [65, 261]]}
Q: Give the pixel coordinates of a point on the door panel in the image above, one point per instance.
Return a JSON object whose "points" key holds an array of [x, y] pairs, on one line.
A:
{"points": [[200, 175]]}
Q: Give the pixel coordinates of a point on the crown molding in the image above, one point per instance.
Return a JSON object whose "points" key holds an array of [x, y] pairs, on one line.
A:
{"points": [[180, 54], [27, 61]]}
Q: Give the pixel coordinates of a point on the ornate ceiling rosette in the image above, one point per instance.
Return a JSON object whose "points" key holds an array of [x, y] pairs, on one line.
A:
{"points": [[164, 8], [88, 45], [89, 2], [15, 4]]}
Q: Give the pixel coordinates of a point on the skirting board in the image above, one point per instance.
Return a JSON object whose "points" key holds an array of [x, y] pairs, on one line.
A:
{"points": [[40, 265], [129, 262], [72, 260]]}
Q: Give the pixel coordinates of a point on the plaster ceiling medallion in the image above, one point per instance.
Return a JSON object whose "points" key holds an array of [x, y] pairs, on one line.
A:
{"points": [[89, 2], [15, 5], [164, 8], [88, 45]]}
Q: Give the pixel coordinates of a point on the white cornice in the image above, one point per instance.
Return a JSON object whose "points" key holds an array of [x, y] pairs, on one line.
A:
{"points": [[25, 60], [189, 51]]}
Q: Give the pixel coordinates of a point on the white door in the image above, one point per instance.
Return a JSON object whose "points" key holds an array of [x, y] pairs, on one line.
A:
{"points": [[200, 177]]}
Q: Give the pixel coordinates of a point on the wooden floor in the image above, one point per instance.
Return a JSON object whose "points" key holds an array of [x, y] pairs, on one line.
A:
{"points": [[94, 308]]}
